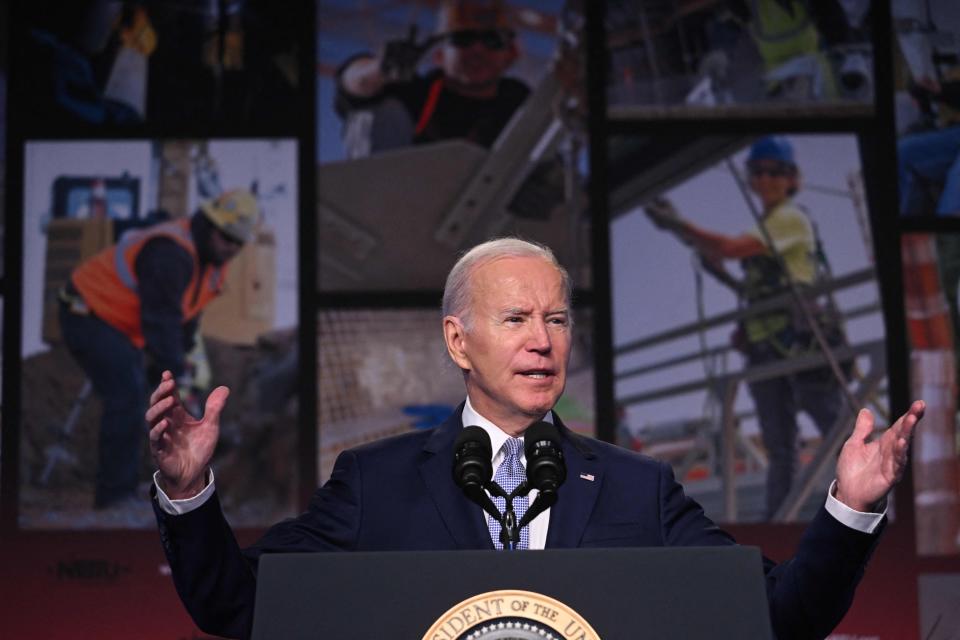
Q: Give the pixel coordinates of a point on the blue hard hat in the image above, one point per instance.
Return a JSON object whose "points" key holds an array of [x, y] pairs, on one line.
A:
{"points": [[772, 148]]}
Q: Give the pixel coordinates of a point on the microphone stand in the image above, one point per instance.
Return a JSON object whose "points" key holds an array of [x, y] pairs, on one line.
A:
{"points": [[476, 493], [509, 527], [544, 500]]}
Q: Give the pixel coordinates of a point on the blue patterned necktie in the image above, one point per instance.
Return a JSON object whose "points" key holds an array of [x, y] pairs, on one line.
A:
{"points": [[510, 474]]}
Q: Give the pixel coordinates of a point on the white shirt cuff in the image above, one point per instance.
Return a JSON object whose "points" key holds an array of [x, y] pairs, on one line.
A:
{"points": [[858, 520], [180, 507]]}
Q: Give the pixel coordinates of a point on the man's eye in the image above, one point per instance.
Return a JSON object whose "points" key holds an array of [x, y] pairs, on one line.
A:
{"points": [[560, 322]]}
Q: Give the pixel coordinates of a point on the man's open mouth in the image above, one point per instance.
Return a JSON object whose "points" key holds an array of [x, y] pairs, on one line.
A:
{"points": [[537, 374]]}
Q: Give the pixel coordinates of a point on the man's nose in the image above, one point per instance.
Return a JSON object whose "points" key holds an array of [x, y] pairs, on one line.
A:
{"points": [[539, 338]]}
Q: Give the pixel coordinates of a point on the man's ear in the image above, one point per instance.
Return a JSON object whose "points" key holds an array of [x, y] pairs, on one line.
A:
{"points": [[454, 334]]}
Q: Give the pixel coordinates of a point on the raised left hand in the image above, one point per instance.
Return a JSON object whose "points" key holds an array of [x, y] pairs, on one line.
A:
{"points": [[868, 470]]}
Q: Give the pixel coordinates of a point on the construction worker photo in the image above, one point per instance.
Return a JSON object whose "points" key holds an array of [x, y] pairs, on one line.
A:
{"points": [[780, 256], [385, 102], [742, 52], [132, 311]]}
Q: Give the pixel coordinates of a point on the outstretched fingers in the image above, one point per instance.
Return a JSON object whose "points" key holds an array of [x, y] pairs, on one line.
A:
{"points": [[166, 388], [157, 433], [863, 427], [905, 425], [159, 410], [897, 439]]}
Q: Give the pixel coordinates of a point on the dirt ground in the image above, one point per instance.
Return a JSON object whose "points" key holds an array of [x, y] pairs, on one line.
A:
{"points": [[255, 465]]}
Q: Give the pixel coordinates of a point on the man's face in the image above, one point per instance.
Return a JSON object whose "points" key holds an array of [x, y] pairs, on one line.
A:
{"points": [[772, 181], [516, 344], [474, 60], [223, 248]]}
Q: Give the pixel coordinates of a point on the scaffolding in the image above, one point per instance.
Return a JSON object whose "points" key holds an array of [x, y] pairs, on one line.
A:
{"points": [[722, 389]]}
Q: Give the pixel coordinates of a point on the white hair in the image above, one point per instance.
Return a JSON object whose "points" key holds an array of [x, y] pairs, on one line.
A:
{"points": [[457, 291]]}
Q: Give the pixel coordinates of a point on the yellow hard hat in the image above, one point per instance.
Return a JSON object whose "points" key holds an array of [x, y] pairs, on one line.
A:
{"points": [[460, 15], [234, 212]]}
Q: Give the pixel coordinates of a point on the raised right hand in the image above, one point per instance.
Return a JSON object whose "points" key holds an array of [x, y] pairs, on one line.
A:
{"points": [[181, 445], [663, 214]]}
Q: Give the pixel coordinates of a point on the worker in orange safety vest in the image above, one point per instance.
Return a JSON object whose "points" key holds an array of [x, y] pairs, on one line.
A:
{"points": [[132, 310]]}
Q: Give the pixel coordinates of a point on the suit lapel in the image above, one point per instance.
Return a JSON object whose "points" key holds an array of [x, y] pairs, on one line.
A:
{"points": [[463, 519], [577, 495]]}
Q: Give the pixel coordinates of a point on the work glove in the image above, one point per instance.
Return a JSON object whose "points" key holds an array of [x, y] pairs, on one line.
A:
{"points": [[400, 57]]}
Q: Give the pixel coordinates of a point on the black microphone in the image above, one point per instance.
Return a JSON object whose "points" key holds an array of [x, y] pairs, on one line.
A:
{"points": [[546, 469], [473, 467]]}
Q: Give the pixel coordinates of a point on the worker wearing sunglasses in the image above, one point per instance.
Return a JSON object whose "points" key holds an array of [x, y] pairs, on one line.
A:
{"points": [[466, 95], [493, 39]]}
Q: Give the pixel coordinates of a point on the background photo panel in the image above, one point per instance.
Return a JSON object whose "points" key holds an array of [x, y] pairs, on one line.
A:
{"points": [[744, 367], [93, 65], [144, 255], [939, 594], [439, 129], [926, 83], [774, 58], [931, 276], [4, 38], [4, 82]]}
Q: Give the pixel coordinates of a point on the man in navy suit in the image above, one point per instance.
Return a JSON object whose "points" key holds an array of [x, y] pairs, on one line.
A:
{"points": [[507, 326]]}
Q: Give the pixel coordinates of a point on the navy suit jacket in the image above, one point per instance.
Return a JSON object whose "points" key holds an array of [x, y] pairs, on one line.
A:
{"points": [[399, 494]]}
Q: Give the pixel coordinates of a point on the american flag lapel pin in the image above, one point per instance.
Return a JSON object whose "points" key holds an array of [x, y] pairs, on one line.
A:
{"points": [[588, 476]]}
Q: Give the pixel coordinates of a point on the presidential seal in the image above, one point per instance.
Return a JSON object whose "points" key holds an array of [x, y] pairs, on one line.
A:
{"points": [[511, 615]]}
